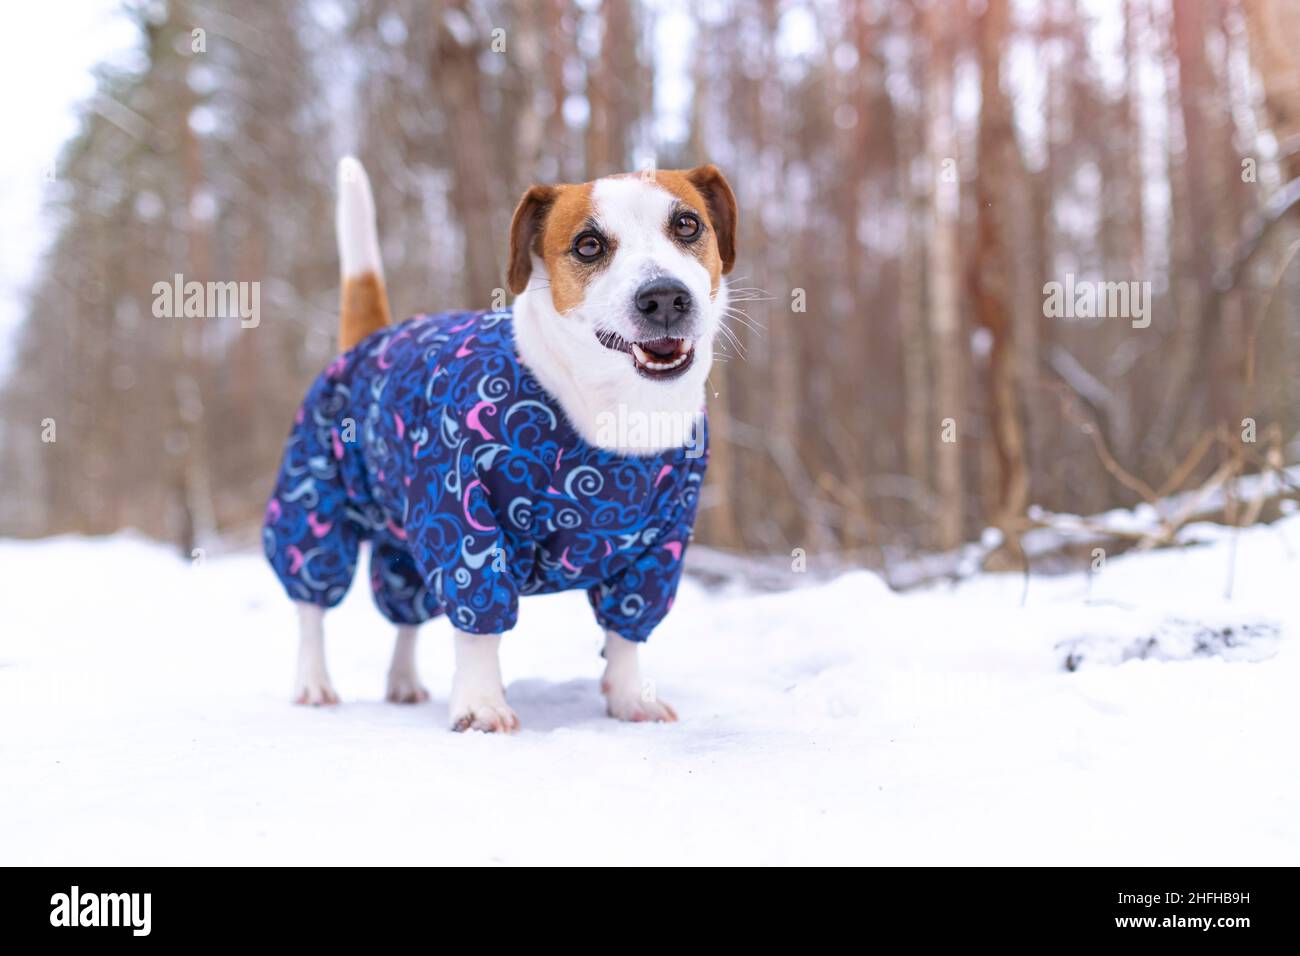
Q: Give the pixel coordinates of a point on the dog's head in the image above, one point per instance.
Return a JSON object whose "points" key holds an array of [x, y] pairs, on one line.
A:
{"points": [[633, 265]]}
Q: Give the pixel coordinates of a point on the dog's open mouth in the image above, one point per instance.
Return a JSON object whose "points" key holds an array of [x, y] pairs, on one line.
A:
{"points": [[653, 358]]}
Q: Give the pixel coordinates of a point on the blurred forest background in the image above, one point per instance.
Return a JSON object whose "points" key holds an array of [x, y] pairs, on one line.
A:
{"points": [[910, 175]]}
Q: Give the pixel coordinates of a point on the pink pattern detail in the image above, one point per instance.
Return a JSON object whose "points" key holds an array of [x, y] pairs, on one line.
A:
{"points": [[472, 419], [564, 560], [400, 425], [465, 350], [295, 558], [397, 532], [382, 360], [674, 548], [465, 506], [318, 528], [273, 510], [665, 470], [338, 445]]}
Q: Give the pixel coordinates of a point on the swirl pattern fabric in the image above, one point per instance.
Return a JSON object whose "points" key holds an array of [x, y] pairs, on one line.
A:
{"points": [[434, 442]]}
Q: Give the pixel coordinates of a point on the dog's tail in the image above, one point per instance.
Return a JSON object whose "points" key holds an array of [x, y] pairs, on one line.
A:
{"points": [[364, 302]]}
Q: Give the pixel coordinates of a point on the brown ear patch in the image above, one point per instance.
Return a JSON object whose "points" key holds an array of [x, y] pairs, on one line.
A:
{"points": [[706, 190], [570, 211], [526, 229], [721, 202]]}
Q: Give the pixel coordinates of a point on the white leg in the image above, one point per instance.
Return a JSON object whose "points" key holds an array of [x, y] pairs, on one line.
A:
{"points": [[404, 685], [313, 685], [625, 696], [478, 697]]}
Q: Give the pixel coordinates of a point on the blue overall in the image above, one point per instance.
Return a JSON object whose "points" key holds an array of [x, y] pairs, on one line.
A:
{"points": [[433, 441]]}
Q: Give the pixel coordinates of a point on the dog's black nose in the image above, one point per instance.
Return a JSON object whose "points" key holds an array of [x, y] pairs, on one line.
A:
{"points": [[663, 300]]}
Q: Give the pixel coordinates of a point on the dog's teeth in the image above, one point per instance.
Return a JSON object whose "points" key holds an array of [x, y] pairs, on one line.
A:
{"points": [[654, 365]]}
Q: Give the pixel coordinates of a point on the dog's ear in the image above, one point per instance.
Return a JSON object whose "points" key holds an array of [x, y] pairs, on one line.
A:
{"points": [[715, 189], [526, 234]]}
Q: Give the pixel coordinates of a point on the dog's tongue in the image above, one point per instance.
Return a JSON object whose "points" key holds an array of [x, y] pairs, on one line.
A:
{"points": [[663, 348]]}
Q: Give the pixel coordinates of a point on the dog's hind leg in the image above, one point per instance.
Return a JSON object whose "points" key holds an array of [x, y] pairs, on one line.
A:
{"points": [[627, 697], [478, 697], [404, 685], [313, 685]]}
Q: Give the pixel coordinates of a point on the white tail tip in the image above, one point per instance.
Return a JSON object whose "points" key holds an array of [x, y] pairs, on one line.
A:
{"points": [[357, 235]]}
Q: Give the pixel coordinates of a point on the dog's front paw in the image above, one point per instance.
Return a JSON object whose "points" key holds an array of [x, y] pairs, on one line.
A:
{"points": [[485, 711], [405, 688], [629, 702], [315, 692]]}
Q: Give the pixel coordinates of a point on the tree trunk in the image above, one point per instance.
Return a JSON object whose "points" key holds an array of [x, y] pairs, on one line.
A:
{"points": [[455, 75], [945, 326], [999, 158], [1274, 30], [1189, 381]]}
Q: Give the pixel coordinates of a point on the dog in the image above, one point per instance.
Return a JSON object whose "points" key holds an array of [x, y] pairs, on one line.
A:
{"points": [[557, 444]]}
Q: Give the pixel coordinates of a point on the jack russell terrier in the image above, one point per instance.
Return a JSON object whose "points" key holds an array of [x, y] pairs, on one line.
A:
{"points": [[485, 455]]}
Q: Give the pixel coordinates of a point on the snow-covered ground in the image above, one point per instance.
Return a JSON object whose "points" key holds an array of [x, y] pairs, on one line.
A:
{"points": [[144, 718]]}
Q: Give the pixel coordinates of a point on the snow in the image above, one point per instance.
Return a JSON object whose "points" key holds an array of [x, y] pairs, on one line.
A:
{"points": [[144, 719]]}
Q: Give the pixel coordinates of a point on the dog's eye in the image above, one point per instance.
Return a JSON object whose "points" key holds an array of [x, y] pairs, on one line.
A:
{"points": [[588, 246], [686, 226]]}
